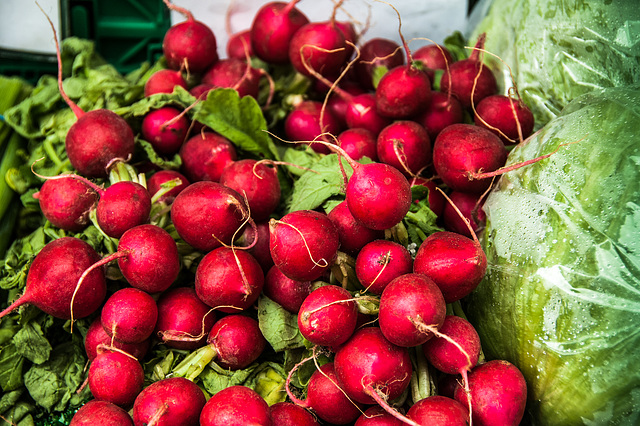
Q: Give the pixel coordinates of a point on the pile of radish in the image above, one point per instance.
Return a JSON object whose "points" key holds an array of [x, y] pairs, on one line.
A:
{"points": [[200, 244]]}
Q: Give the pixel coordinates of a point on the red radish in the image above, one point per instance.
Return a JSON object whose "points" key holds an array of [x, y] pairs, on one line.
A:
{"points": [[205, 155], [237, 341], [470, 205], [463, 150], [190, 44], [377, 416], [303, 244], [97, 412], [235, 405], [260, 250], [97, 340], [404, 145], [53, 276], [381, 261], [200, 91], [66, 203], [457, 350], [447, 384], [509, 118], [353, 236], [358, 143], [122, 206], [307, 121], [116, 377], [328, 316], [165, 129], [166, 177], [258, 182], [239, 45], [371, 369], [439, 410], [289, 414], [236, 74], [284, 291], [98, 137], [174, 401], [433, 57], [498, 393], [350, 35], [320, 46], [442, 111], [436, 200], [408, 304], [377, 52], [273, 27], [193, 208], [164, 81], [454, 262], [129, 315], [229, 279], [362, 112], [184, 320], [326, 399], [470, 80], [337, 104]]}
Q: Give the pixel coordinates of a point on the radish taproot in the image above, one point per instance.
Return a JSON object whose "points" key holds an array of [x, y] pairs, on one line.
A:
{"points": [[237, 341], [470, 205], [164, 81], [381, 261], [97, 341], [67, 203], [116, 377], [511, 119], [320, 46], [96, 412], [377, 52], [235, 405], [239, 45], [165, 129], [287, 413], [174, 401], [405, 145], [433, 57], [129, 315], [171, 183], [358, 142], [205, 155], [259, 239], [353, 235], [288, 293], [53, 276], [308, 121], [122, 206], [439, 410], [236, 74], [377, 416], [442, 111]]}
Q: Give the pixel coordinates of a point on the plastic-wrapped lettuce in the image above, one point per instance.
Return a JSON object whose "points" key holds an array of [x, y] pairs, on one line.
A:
{"points": [[561, 49], [561, 299]]}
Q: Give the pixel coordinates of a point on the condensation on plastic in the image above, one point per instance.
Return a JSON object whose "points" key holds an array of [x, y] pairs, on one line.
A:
{"points": [[561, 299], [559, 50]]}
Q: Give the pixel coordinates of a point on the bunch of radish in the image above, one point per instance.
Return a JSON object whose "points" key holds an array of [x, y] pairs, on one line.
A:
{"points": [[225, 212]]}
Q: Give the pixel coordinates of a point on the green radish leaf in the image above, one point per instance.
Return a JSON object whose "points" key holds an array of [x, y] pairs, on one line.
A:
{"points": [[278, 326], [32, 344], [11, 365], [215, 378]]}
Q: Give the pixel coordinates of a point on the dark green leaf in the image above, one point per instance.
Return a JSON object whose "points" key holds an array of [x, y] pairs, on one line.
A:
{"points": [[32, 344], [278, 326], [11, 364]]}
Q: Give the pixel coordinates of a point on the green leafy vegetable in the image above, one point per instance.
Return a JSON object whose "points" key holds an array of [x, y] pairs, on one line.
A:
{"points": [[559, 50], [278, 326], [561, 299]]}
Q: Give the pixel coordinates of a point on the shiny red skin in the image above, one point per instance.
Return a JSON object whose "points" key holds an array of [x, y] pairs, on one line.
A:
{"points": [[377, 416], [303, 124], [205, 155], [122, 206], [358, 143], [236, 74], [66, 203], [96, 412], [442, 111], [180, 398], [191, 42], [439, 410], [273, 27], [461, 78], [361, 112], [284, 291], [320, 46], [289, 414], [353, 235], [327, 400], [235, 405], [237, 340], [260, 250], [466, 203], [374, 53], [405, 145], [165, 139], [403, 92], [496, 113], [164, 81], [97, 336], [433, 57], [116, 377], [158, 178], [380, 262], [447, 357], [239, 45], [129, 315]]}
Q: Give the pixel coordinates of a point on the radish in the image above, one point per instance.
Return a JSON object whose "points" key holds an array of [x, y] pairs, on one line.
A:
{"points": [[165, 129], [190, 44], [273, 27], [470, 205], [239, 45], [370, 369], [454, 262], [377, 52], [97, 340], [237, 341], [462, 151], [122, 206], [200, 91], [381, 261], [97, 412], [116, 377], [184, 320], [168, 178], [405, 145], [234, 73], [337, 104], [66, 203], [358, 143], [411, 307], [174, 401], [258, 182], [320, 46], [498, 394], [193, 208], [289, 414], [469, 79], [353, 236], [433, 57], [205, 155], [325, 397], [510, 119], [439, 410], [259, 238], [229, 279], [328, 316], [377, 416], [288, 293], [52, 280], [164, 81], [307, 121], [129, 315], [303, 244], [442, 111], [235, 405]]}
